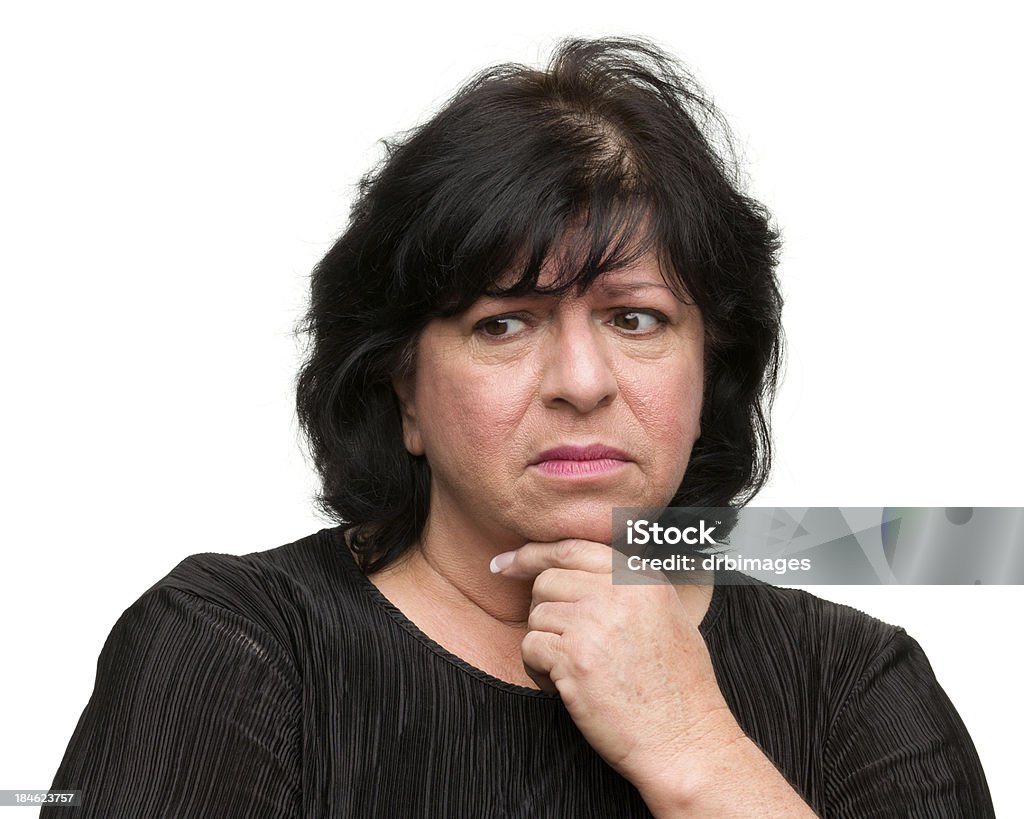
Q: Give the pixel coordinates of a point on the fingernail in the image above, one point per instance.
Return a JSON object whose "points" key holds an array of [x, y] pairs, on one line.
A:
{"points": [[502, 561]]}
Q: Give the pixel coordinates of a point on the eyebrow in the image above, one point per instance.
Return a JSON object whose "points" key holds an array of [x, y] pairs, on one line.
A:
{"points": [[626, 289]]}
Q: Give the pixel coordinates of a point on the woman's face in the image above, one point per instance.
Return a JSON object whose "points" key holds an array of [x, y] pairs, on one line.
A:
{"points": [[539, 414]]}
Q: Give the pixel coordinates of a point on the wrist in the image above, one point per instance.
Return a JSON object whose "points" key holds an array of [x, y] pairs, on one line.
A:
{"points": [[734, 780], [681, 784]]}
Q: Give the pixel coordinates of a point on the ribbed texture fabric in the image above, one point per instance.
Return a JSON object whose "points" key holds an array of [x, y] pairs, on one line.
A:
{"points": [[284, 684]]}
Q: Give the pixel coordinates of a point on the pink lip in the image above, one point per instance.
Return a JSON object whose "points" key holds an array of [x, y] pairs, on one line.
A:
{"points": [[591, 452], [580, 461]]}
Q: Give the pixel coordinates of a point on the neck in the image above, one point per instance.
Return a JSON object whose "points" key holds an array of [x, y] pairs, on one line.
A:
{"points": [[450, 568], [450, 594]]}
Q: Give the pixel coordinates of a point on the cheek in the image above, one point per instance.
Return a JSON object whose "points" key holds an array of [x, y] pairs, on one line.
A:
{"points": [[674, 421], [470, 411], [678, 427], [667, 404]]}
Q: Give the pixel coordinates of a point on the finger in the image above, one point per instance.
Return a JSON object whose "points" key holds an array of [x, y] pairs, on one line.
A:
{"points": [[544, 682], [531, 559], [553, 618], [539, 652], [564, 585]]}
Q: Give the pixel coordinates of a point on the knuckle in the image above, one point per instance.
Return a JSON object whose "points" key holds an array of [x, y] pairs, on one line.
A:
{"points": [[569, 551], [531, 644], [542, 583], [537, 615], [581, 657]]}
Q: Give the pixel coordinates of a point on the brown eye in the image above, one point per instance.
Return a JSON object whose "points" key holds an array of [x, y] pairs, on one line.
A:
{"points": [[635, 321], [496, 327]]}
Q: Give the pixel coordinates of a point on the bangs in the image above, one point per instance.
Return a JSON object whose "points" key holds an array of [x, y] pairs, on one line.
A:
{"points": [[607, 236], [564, 197]]}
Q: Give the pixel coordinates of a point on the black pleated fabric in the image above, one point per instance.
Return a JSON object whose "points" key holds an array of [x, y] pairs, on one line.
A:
{"points": [[284, 684]]}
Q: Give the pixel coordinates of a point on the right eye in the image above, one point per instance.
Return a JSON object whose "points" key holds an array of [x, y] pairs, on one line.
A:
{"points": [[500, 326]]}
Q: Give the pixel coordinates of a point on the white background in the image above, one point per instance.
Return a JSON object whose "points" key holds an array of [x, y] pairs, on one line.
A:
{"points": [[170, 177]]}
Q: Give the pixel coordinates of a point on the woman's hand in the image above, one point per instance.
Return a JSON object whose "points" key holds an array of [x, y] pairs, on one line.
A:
{"points": [[635, 675], [627, 660]]}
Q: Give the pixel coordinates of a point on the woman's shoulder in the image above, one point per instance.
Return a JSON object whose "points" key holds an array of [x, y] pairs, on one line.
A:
{"points": [[832, 643], [271, 592], [776, 643], [312, 563], [802, 614]]}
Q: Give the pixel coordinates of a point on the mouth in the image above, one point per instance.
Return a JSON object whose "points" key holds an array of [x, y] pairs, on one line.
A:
{"points": [[580, 461]]}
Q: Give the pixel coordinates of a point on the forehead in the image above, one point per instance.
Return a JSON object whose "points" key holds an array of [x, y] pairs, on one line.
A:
{"points": [[626, 282]]}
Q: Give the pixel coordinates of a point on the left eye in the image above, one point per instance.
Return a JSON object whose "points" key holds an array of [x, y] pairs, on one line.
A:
{"points": [[502, 326], [635, 321]]}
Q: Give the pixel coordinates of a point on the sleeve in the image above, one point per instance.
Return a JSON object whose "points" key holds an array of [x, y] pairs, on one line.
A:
{"points": [[898, 748], [195, 713]]}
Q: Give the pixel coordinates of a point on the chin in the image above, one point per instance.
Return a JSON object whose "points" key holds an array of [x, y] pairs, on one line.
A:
{"points": [[597, 528]]}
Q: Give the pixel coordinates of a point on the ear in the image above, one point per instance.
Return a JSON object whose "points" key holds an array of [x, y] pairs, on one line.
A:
{"points": [[404, 390]]}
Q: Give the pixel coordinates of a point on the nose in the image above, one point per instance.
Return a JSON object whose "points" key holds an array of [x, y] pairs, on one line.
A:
{"points": [[577, 366]]}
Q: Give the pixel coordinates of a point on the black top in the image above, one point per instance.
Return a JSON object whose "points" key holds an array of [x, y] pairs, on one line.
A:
{"points": [[283, 683]]}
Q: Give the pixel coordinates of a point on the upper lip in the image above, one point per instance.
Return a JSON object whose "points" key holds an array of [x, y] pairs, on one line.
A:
{"points": [[588, 452]]}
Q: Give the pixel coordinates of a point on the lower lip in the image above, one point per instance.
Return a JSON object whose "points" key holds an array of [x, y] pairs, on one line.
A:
{"points": [[580, 469]]}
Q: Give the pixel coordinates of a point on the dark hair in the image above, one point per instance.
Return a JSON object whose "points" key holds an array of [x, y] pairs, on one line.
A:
{"points": [[603, 156]]}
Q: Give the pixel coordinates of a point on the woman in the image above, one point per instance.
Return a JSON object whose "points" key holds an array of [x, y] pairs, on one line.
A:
{"points": [[551, 300]]}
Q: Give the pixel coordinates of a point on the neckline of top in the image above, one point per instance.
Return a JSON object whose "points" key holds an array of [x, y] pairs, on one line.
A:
{"points": [[337, 540]]}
